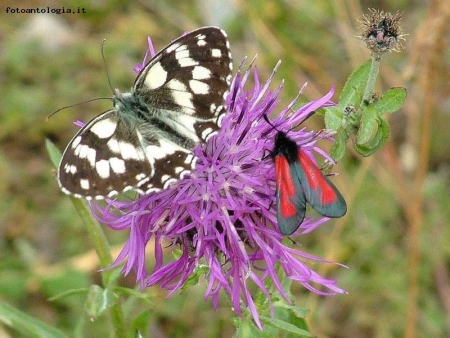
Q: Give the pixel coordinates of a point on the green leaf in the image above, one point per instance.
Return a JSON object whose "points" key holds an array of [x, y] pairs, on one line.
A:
{"points": [[199, 272], [69, 293], [354, 87], [333, 117], [296, 310], [247, 329], [26, 325], [135, 294], [61, 286], [286, 327], [98, 301], [368, 126], [377, 142], [292, 314], [53, 151], [141, 323], [391, 101], [338, 148]]}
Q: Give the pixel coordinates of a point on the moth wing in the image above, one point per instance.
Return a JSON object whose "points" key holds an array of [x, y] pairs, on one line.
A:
{"points": [[291, 203], [319, 191]]}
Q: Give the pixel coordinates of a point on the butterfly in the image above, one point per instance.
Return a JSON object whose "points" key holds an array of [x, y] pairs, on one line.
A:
{"points": [[145, 142], [299, 180]]}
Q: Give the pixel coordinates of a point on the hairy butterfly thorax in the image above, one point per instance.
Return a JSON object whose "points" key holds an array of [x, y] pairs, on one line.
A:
{"points": [[145, 142]]}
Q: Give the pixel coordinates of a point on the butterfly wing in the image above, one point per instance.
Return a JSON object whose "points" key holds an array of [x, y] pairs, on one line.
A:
{"points": [[319, 191], [100, 157], [188, 81], [145, 143], [291, 203]]}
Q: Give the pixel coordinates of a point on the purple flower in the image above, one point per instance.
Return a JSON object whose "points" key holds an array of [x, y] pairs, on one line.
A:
{"points": [[222, 215]]}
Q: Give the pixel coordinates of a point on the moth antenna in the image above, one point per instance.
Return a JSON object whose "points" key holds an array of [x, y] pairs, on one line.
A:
{"points": [[74, 105], [269, 122], [106, 65], [272, 126]]}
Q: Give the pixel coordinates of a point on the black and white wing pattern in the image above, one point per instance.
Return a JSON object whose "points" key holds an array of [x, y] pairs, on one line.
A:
{"points": [[145, 142]]}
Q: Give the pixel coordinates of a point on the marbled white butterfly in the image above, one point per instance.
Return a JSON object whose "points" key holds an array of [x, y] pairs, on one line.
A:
{"points": [[145, 142]]}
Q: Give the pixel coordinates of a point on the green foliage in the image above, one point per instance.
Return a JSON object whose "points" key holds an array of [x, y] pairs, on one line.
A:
{"points": [[354, 114], [25, 324], [98, 301], [53, 152], [289, 320]]}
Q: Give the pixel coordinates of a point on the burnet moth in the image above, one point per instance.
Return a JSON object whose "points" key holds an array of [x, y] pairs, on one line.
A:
{"points": [[299, 180]]}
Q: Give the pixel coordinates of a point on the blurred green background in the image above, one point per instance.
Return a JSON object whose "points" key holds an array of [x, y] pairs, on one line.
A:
{"points": [[395, 238]]}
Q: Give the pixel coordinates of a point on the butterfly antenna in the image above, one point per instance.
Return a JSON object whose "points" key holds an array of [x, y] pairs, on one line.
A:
{"points": [[106, 65], [76, 104]]}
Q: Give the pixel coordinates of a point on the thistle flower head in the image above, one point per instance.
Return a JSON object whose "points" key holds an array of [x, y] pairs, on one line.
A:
{"points": [[222, 215], [382, 32]]}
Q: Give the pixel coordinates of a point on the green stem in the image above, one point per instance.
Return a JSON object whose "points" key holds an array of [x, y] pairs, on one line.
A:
{"points": [[109, 276], [373, 73]]}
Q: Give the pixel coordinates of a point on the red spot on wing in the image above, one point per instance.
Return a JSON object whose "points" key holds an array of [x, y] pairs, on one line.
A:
{"points": [[285, 186], [316, 180]]}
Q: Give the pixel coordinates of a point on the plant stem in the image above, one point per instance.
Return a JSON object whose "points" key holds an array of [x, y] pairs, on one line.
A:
{"points": [[109, 276], [373, 73]]}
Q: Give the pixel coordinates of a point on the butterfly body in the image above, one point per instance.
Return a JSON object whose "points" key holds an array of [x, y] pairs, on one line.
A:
{"points": [[300, 181], [145, 142]]}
